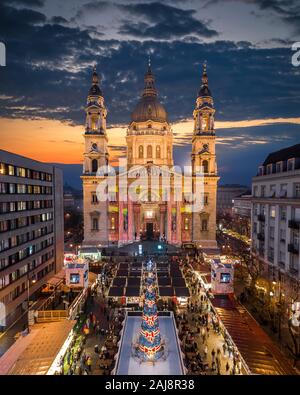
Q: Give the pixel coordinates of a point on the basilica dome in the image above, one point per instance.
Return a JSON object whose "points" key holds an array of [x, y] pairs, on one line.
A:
{"points": [[148, 107]]}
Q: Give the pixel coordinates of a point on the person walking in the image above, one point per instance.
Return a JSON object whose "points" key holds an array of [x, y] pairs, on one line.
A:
{"points": [[224, 348], [89, 364], [213, 353], [205, 351], [227, 367]]}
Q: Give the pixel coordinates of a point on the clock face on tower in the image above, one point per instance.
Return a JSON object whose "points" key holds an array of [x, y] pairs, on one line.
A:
{"points": [[94, 146]]}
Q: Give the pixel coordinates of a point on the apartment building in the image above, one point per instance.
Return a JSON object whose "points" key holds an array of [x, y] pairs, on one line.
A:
{"points": [[31, 230], [276, 217]]}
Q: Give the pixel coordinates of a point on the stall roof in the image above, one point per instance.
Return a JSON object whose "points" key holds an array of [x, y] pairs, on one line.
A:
{"points": [[182, 291], [116, 291], [122, 273], [178, 282], [176, 274], [119, 282], [133, 281], [135, 273], [123, 265], [166, 291], [132, 291], [163, 274], [164, 281]]}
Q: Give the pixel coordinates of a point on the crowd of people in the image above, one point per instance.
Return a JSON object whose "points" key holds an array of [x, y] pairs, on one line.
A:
{"points": [[206, 347]]}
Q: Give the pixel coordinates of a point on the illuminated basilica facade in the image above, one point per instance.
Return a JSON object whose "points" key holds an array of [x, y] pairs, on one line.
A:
{"points": [[149, 146]]}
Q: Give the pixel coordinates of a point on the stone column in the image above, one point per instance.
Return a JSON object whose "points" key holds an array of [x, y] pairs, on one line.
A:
{"points": [[121, 231], [162, 212], [130, 221]]}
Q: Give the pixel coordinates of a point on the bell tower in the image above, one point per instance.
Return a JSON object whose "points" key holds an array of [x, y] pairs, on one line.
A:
{"points": [[204, 160], [95, 155]]}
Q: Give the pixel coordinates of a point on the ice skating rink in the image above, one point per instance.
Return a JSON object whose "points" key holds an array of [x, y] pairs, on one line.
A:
{"points": [[127, 365]]}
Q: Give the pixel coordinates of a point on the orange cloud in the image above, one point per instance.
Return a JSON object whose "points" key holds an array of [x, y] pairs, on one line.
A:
{"points": [[56, 141]]}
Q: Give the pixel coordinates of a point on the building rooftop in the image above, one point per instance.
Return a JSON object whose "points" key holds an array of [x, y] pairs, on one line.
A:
{"points": [[283, 154]]}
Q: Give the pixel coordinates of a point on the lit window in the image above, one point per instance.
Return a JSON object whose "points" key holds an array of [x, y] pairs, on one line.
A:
{"points": [[272, 211], [2, 168], [186, 224]]}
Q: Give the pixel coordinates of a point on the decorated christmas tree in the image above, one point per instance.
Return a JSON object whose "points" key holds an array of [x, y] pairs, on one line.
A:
{"points": [[149, 346]]}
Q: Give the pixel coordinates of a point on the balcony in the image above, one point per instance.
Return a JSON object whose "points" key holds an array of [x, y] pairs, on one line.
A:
{"points": [[260, 236], [293, 270], [261, 217], [282, 265], [294, 224], [293, 249]]}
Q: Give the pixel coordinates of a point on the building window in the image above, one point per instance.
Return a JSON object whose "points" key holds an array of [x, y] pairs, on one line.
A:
{"points": [[297, 190], [272, 190], [204, 225], [205, 166], [263, 191], [94, 166], [94, 198], [269, 169], [283, 190], [206, 198], [272, 211], [186, 224], [11, 170], [21, 188], [158, 151], [282, 235], [141, 152], [95, 224], [290, 164], [2, 168], [113, 223], [21, 172], [3, 187], [278, 167], [21, 206], [149, 151], [255, 191], [283, 213]]}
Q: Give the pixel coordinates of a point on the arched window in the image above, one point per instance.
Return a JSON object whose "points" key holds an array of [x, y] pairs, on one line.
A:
{"points": [[205, 166], [94, 166], [204, 224], [158, 151], [141, 152], [149, 151]]}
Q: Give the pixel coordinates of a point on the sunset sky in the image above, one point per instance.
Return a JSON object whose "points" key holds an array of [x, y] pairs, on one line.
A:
{"points": [[52, 46]]}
